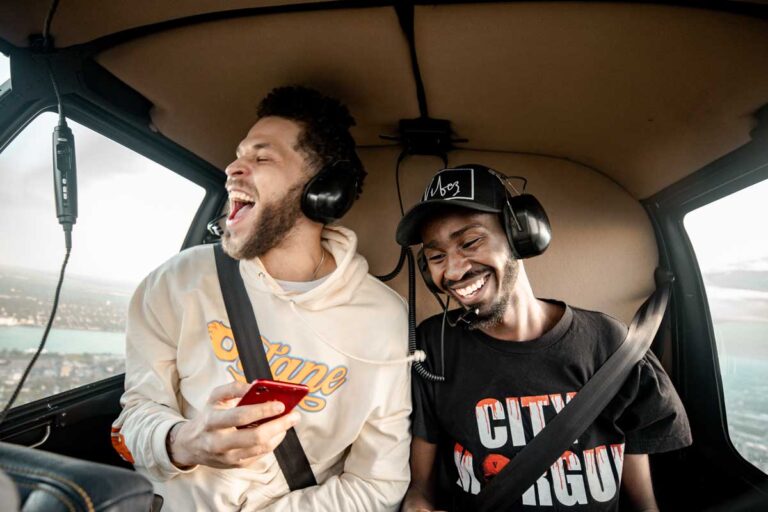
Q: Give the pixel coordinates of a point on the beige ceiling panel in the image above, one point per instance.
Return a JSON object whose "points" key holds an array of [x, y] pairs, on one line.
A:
{"points": [[607, 267], [20, 18], [644, 93], [80, 21], [205, 81]]}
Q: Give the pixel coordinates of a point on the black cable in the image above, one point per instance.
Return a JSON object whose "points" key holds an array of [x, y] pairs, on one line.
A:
{"points": [[405, 15], [401, 260], [62, 119], [442, 335], [47, 24], [66, 224], [397, 270], [48, 45], [42, 342], [400, 159]]}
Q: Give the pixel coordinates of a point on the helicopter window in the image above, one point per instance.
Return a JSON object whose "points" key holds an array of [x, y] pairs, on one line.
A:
{"points": [[133, 214], [5, 74], [735, 273]]}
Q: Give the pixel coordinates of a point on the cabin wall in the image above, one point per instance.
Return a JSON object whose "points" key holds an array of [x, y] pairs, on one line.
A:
{"points": [[603, 250]]}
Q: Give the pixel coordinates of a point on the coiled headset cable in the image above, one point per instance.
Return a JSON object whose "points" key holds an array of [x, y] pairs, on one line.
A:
{"points": [[418, 366]]}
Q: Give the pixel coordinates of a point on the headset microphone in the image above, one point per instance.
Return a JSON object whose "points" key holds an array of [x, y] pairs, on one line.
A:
{"points": [[468, 316], [214, 228]]}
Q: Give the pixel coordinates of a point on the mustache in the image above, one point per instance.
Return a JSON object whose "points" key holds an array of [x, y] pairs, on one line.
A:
{"points": [[473, 272]]}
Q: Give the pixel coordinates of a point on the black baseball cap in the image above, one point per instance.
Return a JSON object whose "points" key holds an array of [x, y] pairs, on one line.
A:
{"points": [[471, 186]]}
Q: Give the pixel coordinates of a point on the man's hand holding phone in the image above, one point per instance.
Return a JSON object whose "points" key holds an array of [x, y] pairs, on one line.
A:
{"points": [[217, 438]]}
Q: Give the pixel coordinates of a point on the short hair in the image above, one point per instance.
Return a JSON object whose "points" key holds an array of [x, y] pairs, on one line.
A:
{"points": [[325, 121]]}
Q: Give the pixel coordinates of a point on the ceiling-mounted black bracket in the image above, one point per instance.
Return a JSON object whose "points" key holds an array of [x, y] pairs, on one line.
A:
{"points": [[38, 43], [425, 136]]}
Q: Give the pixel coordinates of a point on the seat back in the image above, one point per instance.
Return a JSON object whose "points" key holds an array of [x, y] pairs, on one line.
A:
{"points": [[50, 482]]}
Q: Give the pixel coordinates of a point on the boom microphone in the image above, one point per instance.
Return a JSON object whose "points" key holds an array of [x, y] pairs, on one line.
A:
{"points": [[468, 316], [214, 228]]}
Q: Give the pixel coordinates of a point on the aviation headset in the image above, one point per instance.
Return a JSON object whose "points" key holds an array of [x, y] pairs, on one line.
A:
{"points": [[523, 219], [329, 194]]}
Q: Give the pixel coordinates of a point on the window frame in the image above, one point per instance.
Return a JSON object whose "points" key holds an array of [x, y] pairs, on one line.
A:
{"points": [[696, 362], [161, 151], [143, 141], [165, 153]]}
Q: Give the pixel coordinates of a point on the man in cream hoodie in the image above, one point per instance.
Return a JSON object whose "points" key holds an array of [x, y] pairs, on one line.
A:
{"points": [[324, 322]]}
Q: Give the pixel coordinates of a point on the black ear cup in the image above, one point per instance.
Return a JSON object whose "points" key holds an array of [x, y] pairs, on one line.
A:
{"points": [[331, 192], [527, 226], [424, 269]]}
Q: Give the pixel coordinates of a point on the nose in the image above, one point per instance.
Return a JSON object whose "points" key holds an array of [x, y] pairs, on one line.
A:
{"points": [[456, 266], [236, 169]]}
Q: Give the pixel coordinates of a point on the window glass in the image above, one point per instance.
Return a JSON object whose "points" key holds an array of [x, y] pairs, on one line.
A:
{"points": [[133, 214], [5, 70], [732, 249]]}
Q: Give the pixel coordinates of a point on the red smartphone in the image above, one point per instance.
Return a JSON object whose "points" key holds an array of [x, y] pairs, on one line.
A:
{"points": [[264, 390]]}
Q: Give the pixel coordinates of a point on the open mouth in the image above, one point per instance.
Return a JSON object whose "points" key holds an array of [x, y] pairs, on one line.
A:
{"points": [[240, 204], [471, 289]]}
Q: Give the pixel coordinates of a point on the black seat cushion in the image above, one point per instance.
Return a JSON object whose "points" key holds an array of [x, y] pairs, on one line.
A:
{"points": [[51, 482]]}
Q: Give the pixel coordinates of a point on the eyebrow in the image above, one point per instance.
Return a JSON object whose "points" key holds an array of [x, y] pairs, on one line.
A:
{"points": [[456, 234], [257, 146]]}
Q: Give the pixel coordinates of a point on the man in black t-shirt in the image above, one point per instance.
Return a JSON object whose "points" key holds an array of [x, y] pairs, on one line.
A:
{"points": [[512, 361]]}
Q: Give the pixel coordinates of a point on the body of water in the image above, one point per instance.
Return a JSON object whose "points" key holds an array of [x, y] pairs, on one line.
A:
{"points": [[62, 341]]}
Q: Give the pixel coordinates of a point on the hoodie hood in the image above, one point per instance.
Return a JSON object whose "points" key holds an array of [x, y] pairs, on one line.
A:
{"points": [[341, 284]]}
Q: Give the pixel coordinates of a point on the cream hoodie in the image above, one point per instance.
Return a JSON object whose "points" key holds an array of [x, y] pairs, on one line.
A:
{"points": [[355, 421]]}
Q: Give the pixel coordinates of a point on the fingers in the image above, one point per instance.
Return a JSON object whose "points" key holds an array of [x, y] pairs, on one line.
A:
{"points": [[244, 415], [227, 392], [261, 434], [274, 427], [245, 456], [242, 445], [266, 437]]}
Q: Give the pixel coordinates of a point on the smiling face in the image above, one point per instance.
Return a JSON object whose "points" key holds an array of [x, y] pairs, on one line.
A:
{"points": [[265, 184], [469, 258]]}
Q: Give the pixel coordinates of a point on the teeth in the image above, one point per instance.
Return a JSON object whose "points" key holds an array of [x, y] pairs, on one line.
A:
{"points": [[472, 288], [236, 195]]}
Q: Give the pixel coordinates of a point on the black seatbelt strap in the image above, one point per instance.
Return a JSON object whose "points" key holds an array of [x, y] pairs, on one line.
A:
{"points": [[242, 319], [560, 433]]}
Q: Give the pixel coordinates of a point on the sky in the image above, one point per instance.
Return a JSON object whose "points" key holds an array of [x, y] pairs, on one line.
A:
{"points": [[5, 68], [133, 213], [731, 233]]}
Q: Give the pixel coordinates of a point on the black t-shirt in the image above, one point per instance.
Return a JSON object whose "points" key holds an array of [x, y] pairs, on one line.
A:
{"points": [[499, 394]]}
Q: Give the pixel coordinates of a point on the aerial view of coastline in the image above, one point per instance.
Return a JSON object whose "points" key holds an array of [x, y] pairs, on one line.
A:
{"points": [[87, 342], [738, 302]]}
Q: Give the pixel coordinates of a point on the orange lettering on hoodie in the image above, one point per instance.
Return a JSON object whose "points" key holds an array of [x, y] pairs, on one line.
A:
{"points": [[318, 377]]}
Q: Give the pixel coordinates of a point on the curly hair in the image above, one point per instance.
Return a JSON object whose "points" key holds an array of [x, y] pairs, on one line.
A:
{"points": [[325, 121]]}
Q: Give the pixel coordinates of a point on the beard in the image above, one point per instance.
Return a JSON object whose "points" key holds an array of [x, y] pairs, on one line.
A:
{"points": [[273, 224], [493, 315]]}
